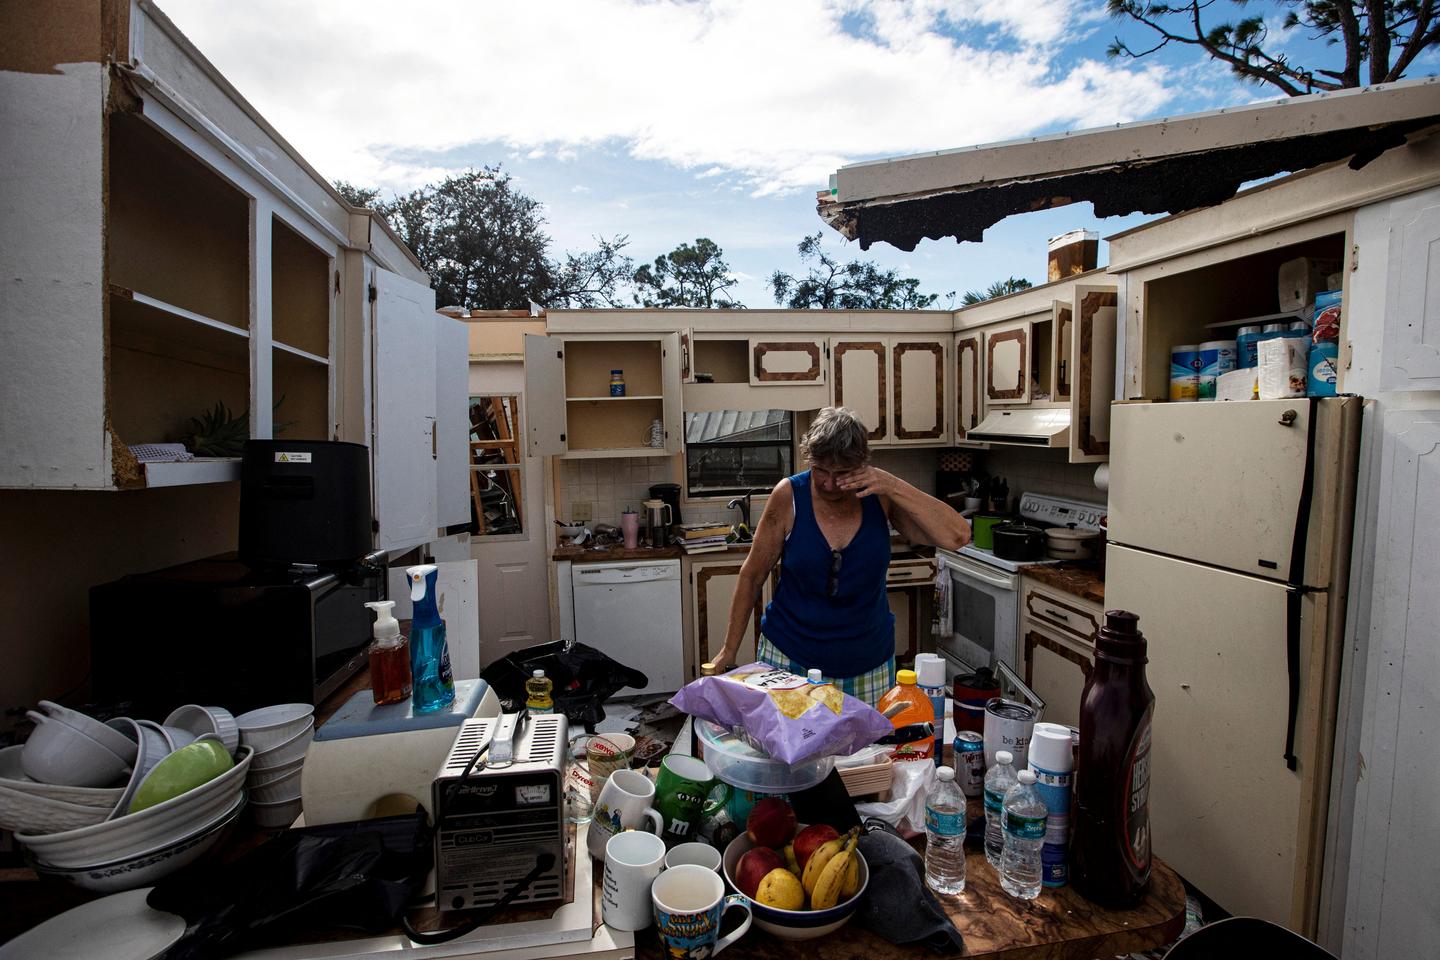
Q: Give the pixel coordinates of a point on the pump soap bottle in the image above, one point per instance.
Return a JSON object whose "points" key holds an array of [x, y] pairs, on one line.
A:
{"points": [[434, 685], [389, 656]]}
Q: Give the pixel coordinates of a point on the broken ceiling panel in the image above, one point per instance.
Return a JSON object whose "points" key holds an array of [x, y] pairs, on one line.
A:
{"points": [[1157, 166]]}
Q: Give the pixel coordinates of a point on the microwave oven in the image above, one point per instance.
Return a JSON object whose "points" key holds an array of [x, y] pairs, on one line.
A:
{"points": [[216, 632]]}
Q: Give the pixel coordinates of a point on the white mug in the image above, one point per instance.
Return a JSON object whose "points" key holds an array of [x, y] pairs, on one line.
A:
{"points": [[625, 802], [632, 862], [693, 851]]}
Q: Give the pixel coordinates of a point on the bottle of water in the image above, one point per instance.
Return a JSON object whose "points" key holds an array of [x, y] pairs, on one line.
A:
{"points": [[1024, 836], [998, 779], [945, 835]]}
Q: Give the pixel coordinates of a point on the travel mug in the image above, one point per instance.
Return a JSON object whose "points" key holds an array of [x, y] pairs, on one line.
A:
{"points": [[630, 529]]}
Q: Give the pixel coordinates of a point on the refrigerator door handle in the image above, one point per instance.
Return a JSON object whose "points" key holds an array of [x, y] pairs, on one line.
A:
{"points": [[1296, 588], [1293, 596]]}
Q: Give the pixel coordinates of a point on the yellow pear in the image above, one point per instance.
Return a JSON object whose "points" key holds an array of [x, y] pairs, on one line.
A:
{"points": [[781, 889]]}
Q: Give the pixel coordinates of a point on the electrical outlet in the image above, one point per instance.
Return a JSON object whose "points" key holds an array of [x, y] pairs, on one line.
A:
{"points": [[581, 511]]}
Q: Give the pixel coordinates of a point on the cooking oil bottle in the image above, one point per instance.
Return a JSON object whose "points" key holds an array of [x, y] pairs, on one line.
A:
{"points": [[537, 693]]}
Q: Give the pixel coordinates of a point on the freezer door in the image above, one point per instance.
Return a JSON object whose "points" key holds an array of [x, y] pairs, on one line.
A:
{"points": [[1225, 811], [1215, 482]]}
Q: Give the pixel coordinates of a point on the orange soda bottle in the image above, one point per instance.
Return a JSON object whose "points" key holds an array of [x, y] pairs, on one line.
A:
{"points": [[904, 705]]}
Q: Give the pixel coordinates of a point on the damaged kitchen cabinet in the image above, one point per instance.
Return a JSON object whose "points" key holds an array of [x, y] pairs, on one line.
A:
{"points": [[896, 383], [185, 277]]}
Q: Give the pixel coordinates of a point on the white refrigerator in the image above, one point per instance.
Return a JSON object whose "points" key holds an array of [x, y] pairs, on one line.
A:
{"points": [[1229, 535]]}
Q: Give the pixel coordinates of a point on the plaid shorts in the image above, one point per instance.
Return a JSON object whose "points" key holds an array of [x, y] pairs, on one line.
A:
{"points": [[869, 686]]}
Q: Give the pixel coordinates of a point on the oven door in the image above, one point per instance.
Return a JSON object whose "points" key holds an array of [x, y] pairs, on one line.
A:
{"points": [[984, 613]]}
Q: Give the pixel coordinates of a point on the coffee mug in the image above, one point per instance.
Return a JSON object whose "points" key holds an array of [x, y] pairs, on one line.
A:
{"points": [[625, 802], [632, 862], [689, 901], [681, 790], [604, 754], [694, 852]]}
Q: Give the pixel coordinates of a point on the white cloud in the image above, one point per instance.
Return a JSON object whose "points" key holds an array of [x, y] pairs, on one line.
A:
{"points": [[775, 93]]}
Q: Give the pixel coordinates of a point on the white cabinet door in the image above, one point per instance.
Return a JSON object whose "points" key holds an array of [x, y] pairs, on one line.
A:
{"points": [[1007, 363], [858, 381], [969, 382], [1412, 314], [544, 396], [1056, 668], [713, 586], [917, 368], [789, 361], [1062, 322], [452, 416], [672, 390], [1093, 347], [405, 441]]}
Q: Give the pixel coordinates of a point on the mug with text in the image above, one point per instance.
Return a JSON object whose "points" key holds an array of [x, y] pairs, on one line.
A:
{"points": [[626, 802], [689, 901], [632, 862]]}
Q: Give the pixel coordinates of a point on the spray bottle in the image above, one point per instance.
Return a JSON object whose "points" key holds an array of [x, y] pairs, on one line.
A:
{"points": [[434, 685], [389, 656]]}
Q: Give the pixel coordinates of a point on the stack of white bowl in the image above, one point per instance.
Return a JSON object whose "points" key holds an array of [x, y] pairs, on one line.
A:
{"points": [[280, 735]]}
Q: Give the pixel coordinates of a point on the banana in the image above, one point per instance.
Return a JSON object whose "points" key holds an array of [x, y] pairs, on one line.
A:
{"points": [[831, 883], [818, 860], [791, 863], [852, 879]]}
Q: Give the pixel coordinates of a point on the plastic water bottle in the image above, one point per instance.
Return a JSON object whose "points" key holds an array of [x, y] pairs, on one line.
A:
{"points": [[998, 779], [945, 835], [1025, 814]]}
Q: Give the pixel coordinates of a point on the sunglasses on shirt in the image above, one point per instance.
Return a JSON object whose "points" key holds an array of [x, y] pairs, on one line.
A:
{"points": [[834, 585]]}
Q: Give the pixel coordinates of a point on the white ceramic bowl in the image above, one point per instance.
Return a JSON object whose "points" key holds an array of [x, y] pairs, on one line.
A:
{"points": [[113, 740], [152, 747], [59, 753], [12, 777], [32, 813], [271, 726], [287, 752], [259, 776], [142, 869], [200, 720], [276, 816], [285, 788], [793, 924], [177, 737], [124, 836]]}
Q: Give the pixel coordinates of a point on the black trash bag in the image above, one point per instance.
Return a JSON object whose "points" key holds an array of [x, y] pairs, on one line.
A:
{"points": [[358, 876], [583, 679]]}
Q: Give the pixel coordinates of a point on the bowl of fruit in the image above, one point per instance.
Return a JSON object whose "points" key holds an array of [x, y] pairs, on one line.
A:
{"points": [[802, 881]]}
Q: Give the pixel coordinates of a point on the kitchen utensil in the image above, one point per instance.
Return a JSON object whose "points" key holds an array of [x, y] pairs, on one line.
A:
{"points": [[626, 801], [12, 777], [291, 750], [658, 518], [689, 902], [113, 740], [1018, 541], [59, 753], [681, 789], [202, 720], [982, 527], [1067, 543], [271, 726], [632, 862], [670, 493], [606, 753], [118, 927], [794, 924], [176, 737], [693, 851]]}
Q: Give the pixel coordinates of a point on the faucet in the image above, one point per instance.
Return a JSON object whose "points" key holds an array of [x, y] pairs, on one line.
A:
{"points": [[744, 530]]}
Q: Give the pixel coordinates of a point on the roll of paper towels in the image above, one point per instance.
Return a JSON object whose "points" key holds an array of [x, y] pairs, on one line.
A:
{"points": [[1102, 477]]}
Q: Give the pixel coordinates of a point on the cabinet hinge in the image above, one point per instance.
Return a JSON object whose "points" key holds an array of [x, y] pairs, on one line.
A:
{"points": [[375, 526], [374, 294]]}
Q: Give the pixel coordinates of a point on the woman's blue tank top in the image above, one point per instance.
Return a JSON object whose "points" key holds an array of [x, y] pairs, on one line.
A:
{"points": [[853, 631]]}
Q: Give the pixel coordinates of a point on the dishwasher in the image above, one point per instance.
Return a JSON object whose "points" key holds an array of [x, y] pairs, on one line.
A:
{"points": [[631, 611]]}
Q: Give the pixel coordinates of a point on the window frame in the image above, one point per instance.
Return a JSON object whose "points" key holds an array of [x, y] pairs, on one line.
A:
{"points": [[737, 491]]}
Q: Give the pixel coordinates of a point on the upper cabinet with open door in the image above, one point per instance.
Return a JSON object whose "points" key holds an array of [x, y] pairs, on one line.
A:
{"points": [[917, 390], [969, 382], [789, 361], [603, 395], [1063, 372], [1007, 363], [858, 380], [1093, 388]]}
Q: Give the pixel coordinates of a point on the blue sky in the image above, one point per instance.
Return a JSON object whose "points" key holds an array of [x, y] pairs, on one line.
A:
{"points": [[667, 120]]}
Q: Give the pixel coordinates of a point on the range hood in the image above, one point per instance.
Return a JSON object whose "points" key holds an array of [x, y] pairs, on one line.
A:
{"points": [[1024, 426]]}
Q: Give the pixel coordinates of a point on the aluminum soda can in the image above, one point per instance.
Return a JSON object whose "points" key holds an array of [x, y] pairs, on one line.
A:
{"points": [[970, 763]]}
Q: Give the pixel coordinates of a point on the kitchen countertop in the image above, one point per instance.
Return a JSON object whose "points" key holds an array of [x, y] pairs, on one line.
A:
{"points": [[591, 555], [1082, 581]]}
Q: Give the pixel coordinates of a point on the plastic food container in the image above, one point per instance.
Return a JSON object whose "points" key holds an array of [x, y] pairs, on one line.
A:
{"points": [[741, 765]]}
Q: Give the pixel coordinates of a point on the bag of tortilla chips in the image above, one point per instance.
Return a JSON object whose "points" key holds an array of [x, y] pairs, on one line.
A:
{"points": [[785, 715]]}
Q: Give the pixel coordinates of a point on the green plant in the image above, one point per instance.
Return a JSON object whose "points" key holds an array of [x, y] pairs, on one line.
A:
{"points": [[218, 433]]}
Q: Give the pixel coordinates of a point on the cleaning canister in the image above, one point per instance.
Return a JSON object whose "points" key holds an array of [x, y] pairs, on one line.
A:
{"points": [[1216, 357], [930, 672], [430, 675], [1053, 761], [1185, 372], [1246, 340]]}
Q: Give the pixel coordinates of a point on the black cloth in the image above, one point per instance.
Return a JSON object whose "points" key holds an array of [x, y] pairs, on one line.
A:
{"points": [[897, 905]]}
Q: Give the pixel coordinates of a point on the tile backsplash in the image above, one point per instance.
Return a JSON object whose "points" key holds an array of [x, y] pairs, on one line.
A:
{"points": [[1046, 471]]}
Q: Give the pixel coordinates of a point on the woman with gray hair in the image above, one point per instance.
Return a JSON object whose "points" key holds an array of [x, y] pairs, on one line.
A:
{"points": [[831, 525]]}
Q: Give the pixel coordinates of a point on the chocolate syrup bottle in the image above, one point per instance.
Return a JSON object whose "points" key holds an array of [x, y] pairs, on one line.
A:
{"points": [[1110, 845]]}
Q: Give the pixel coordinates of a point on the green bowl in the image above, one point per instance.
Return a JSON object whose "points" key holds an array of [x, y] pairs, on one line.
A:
{"points": [[182, 771]]}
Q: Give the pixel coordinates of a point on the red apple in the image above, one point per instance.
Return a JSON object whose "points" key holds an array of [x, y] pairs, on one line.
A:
{"points": [[807, 841], [771, 823], [752, 868]]}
